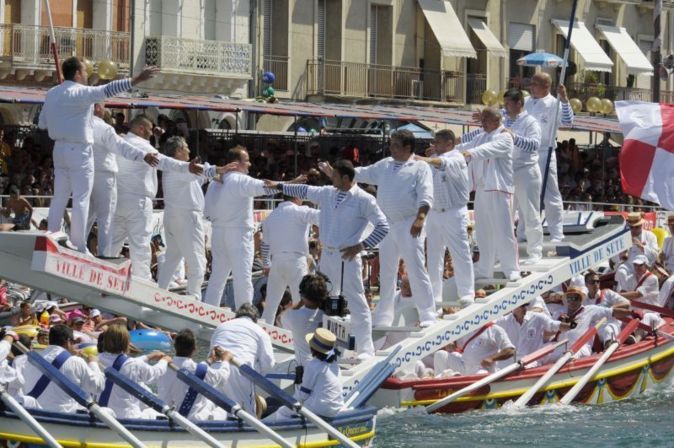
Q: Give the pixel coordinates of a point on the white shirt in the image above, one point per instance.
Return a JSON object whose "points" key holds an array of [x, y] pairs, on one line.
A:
{"points": [[528, 336], [668, 252], [649, 288], [230, 203], [286, 229], [301, 322], [173, 391], [68, 109], [182, 191], [247, 341], [488, 343], [87, 376], [650, 250], [139, 178], [107, 144], [137, 370], [402, 187], [543, 110], [321, 388], [527, 139], [451, 186], [588, 316], [5, 348], [607, 298], [491, 163], [16, 386], [666, 292]]}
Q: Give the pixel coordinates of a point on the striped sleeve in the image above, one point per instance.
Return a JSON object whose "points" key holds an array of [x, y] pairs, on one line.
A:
{"points": [[527, 144], [378, 234], [265, 252], [567, 114], [210, 171], [114, 88], [298, 191], [469, 136]]}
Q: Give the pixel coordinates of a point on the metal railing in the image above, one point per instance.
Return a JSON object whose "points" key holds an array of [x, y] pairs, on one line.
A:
{"points": [[476, 84], [223, 59], [278, 65], [382, 81], [28, 45]]}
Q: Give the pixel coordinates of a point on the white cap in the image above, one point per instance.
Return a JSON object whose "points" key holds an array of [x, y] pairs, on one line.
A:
{"points": [[94, 312], [640, 259]]}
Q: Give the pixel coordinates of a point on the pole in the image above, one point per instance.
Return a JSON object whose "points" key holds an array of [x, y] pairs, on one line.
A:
{"points": [[28, 419], [656, 55], [555, 123], [295, 145], [54, 49]]}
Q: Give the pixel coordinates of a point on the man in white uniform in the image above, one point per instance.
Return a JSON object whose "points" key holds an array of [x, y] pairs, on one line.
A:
{"points": [[67, 115], [405, 195], [103, 201], [229, 206], [647, 288], [541, 105], [136, 189], [183, 226], [667, 254], [490, 158], [447, 225], [346, 211], [606, 298], [285, 246], [248, 344], [644, 242]]}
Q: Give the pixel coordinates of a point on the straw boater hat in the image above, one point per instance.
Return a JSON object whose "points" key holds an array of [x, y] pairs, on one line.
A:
{"points": [[321, 340], [577, 291], [635, 219]]}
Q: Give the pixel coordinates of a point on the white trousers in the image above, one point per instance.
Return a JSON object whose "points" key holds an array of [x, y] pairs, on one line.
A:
{"points": [[494, 233], [552, 201], [527, 202], [73, 174], [449, 229], [232, 250], [354, 293], [399, 243], [102, 206], [133, 222], [185, 238], [287, 270], [455, 361]]}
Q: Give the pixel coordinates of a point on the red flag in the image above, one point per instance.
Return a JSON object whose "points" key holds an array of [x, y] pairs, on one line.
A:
{"points": [[647, 154]]}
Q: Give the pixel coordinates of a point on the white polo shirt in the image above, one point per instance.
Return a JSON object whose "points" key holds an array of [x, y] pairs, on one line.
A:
{"points": [[451, 186], [528, 336], [230, 203]]}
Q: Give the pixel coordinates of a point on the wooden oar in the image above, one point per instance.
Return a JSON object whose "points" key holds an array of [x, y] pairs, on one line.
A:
{"points": [[541, 352], [624, 334], [289, 401], [647, 306], [158, 405], [79, 395], [28, 419], [228, 405], [584, 339]]}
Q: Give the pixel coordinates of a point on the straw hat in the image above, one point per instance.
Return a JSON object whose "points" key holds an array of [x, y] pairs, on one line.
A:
{"points": [[321, 340], [635, 219], [578, 291]]}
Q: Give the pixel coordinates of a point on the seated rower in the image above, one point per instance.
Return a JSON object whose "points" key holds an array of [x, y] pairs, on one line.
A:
{"points": [[606, 298], [321, 387], [177, 393], [115, 345], [475, 353], [647, 288], [42, 393]]}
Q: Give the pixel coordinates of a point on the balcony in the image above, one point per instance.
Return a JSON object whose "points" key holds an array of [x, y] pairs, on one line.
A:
{"points": [[278, 65], [199, 57], [27, 46], [357, 80]]}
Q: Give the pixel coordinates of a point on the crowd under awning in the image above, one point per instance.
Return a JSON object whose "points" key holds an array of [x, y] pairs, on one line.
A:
{"points": [[463, 117], [622, 43], [588, 48], [491, 43], [447, 28]]}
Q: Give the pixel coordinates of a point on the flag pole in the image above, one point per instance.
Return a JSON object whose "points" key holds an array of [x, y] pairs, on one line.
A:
{"points": [[656, 53], [54, 49], [555, 122]]}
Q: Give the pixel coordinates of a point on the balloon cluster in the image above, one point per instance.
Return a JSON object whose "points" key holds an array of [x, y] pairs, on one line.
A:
{"points": [[268, 92], [595, 105], [107, 69]]}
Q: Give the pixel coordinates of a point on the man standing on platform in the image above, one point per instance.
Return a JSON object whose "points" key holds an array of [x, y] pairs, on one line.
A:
{"points": [[346, 211], [448, 219], [67, 115], [541, 105], [405, 195]]}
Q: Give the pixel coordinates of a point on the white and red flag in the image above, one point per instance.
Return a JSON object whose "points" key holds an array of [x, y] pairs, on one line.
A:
{"points": [[647, 154]]}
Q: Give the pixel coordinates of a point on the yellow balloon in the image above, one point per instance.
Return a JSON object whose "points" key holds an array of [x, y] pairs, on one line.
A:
{"points": [[88, 66], [489, 97], [576, 105], [501, 99], [606, 106], [593, 104], [107, 69]]}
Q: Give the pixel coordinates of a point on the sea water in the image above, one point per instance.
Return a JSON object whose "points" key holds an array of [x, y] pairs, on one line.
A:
{"points": [[644, 421]]}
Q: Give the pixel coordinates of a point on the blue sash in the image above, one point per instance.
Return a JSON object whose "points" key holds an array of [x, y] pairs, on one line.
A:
{"points": [[192, 393], [117, 365], [44, 380]]}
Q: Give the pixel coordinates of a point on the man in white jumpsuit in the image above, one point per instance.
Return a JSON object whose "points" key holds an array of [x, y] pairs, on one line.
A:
{"points": [[644, 242], [183, 214], [103, 201], [346, 211], [67, 115], [285, 246], [229, 207], [490, 162], [249, 344], [541, 105], [405, 195], [447, 225], [667, 254], [136, 189]]}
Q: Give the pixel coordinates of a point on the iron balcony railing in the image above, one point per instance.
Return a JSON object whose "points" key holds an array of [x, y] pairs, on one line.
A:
{"points": [[278, 65]]}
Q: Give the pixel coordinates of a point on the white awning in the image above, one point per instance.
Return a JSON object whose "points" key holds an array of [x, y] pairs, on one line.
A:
{"points": [[636, 62], [447, 28], [487, 37], [588, 48]]}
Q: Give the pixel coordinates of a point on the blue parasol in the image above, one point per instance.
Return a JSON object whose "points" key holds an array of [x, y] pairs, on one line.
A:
{"points": [[542, 59]]}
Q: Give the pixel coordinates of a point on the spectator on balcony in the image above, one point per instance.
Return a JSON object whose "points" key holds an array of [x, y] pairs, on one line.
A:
{"points": [[67, 115]]}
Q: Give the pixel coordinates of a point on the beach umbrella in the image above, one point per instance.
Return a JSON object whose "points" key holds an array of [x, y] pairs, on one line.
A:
{"points": [[540, 59]]}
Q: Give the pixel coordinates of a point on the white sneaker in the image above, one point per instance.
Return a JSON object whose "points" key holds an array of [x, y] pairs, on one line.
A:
{"points": [[556, 240], [514, 276], [531, 260], [466, 301], [427, 323]]}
